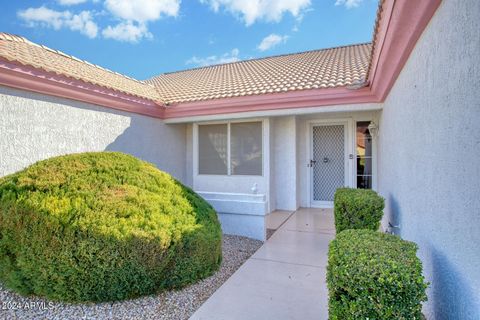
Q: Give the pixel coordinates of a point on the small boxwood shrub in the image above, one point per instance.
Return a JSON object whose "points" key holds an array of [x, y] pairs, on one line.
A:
{"points": [[101, 227], [357, 209], [372, 275]]}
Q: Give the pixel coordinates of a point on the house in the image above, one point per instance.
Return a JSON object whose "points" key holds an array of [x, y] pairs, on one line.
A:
{"points": [[400, 115]]}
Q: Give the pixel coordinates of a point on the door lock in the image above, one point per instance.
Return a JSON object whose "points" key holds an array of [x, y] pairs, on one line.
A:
{"points": [[312, 163], [325, 160]]}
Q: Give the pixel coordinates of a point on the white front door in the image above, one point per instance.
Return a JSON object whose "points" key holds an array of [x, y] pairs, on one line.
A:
{"points": [[328, 162]]}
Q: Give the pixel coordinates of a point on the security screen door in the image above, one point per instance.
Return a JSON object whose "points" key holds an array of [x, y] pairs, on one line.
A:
{"points": [[328, 162]]}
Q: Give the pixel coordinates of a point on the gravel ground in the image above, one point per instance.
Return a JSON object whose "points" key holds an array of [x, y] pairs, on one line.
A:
{"points": [[176, 305]]}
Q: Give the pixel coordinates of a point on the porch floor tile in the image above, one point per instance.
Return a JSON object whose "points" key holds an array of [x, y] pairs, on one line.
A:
{"points": [[284, 279], [275, 219], [312, 220], [296, 247]]}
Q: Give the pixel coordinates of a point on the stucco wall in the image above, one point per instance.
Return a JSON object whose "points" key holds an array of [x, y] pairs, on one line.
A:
{"points": [[34, 127], [284, 166], [272, 188], [189, 155], [429, 158]]}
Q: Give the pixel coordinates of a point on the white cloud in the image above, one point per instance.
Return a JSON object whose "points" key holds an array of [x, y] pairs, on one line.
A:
{"points": [[45, 17], [252, 10], [271, 41], [349, 4], [83, 22], [70, 2], [227, 57], [143, 10], [127, 31], [131, 16], [134, 15]]}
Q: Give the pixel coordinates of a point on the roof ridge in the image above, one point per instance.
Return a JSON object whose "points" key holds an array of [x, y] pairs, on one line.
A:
{"points": [[17, 38], [257, 59]]}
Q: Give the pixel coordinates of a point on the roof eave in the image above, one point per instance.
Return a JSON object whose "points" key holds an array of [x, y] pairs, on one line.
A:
{"points": [[272, 101], [400, 25], [37, 80]]}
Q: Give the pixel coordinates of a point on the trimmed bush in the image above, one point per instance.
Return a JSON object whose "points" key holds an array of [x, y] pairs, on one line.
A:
{"points": [[357, 209], [101, 227], [372, 275]]}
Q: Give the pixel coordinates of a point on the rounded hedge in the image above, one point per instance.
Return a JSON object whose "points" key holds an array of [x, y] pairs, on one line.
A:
{"points": [[101, 227], [373, 275], [357, 209]]}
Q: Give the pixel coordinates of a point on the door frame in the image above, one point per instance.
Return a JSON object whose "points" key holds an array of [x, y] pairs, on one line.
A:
{"points": [[349, 155]]}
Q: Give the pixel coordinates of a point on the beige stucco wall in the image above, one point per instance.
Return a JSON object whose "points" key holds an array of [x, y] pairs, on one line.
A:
{"points": [[35, 127], [429, 158]]}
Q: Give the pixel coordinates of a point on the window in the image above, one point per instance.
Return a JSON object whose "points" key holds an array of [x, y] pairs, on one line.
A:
{"points": [[364, 156], [246, 148], [212, 149], [245, 155]]}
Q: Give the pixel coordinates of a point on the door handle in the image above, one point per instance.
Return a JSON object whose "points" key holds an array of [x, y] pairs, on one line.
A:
{"points": [[312, 163], [325, 160]]}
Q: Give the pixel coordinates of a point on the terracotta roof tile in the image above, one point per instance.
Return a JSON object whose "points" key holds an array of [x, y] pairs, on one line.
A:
{"points": [[317, 69], [376, 29], [327, 68], [21, 50]]}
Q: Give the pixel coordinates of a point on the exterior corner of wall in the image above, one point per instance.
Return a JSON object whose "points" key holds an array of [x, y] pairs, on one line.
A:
{"points": [[285, 165], [271, 166]]}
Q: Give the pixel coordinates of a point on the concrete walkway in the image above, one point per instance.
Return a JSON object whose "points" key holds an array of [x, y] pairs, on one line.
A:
{"points": [[284, 279]]}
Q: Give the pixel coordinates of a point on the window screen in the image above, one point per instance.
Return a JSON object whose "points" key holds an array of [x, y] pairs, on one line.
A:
{"points": [[246, 148], [212, 149]]}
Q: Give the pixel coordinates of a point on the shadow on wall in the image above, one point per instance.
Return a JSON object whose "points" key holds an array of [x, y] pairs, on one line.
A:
{"points": [[394, 217], [34, 127], [453, 297], [151, 140], [137, 141]]}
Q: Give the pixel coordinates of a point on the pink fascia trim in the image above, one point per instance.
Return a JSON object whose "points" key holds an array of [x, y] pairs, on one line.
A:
{"points": [[37, 80], [401, 25], [272, 101]]}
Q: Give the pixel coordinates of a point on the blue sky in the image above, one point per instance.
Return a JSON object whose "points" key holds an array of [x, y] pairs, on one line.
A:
{"points": [[143, 38]]}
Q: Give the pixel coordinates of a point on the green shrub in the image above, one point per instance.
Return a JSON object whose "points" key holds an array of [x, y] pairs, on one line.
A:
{"points": [[372, 275], [100, 227], [357, 209]]}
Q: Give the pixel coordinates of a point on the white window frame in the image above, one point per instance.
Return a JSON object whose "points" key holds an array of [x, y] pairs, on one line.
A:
{"points": [[355, 153], [229, 169]]}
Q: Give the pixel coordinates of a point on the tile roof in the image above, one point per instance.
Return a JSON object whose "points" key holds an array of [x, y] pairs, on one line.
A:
{"points": [[376, 30], [18, 49], [326, 68]]}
